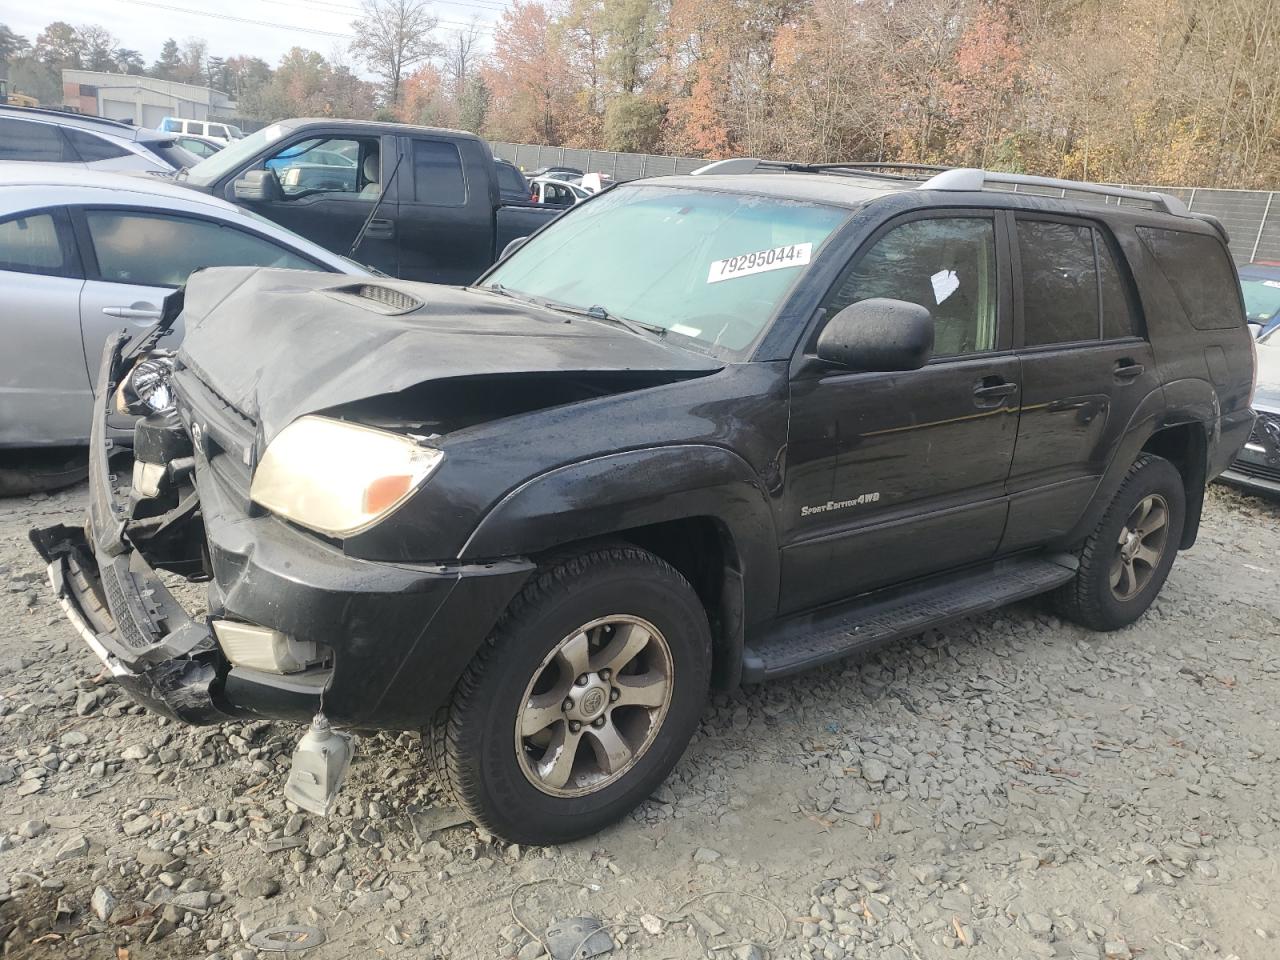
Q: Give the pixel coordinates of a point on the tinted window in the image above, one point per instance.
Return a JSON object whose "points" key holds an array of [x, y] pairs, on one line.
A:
{"points": [[92, 147], [156, 250], [326, 165], [30, 244], [1059, 282], [171, 126], [1117, 311], [1200, 272], [217, 130], [437, 173], [946, 265], [1261, 299], [510, 182], [24, 140]]}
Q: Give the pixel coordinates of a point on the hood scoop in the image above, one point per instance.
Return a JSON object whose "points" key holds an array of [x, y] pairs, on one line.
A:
{"points": [[382, 299]]}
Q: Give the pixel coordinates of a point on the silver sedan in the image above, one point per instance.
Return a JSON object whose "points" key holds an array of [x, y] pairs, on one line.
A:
{"points": [[84, 253]]}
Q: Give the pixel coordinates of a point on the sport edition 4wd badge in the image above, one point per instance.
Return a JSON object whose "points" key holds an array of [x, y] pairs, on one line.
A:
{"points": [[840, 504]]}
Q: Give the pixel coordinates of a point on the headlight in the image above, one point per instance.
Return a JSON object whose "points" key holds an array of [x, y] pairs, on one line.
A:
{"points": [[145, 388], [339, 478]]}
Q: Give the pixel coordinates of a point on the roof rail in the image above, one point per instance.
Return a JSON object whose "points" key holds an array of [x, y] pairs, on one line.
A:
{"points": [[970, 179], [880, 171]]}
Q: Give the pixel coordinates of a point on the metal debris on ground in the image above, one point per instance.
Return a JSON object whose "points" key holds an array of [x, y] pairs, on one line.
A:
{"points": [[578, 938], [287, 938]]}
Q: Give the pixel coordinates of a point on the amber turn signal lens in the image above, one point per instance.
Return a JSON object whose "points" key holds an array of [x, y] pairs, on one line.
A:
{"points": [[385, 492]]}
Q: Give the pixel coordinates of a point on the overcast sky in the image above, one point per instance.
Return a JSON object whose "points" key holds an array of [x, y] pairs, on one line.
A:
{"points": [[276, 25]]}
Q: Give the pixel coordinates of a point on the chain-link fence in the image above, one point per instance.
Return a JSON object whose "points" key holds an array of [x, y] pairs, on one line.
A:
{"points": [[1249, 215]]}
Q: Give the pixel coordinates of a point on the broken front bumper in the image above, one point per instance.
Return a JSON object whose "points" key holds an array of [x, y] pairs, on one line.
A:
{"points": [[399, 634]]}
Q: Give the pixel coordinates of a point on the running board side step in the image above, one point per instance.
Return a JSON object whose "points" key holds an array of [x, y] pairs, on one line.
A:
{"points": [[809, 640]]}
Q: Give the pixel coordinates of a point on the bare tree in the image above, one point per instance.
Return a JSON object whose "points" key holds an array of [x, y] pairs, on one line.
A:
{"points": [[461, 56], [391, 37]]}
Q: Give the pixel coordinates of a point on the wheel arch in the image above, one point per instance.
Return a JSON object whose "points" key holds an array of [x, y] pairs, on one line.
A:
{"points": [[701, 508]]}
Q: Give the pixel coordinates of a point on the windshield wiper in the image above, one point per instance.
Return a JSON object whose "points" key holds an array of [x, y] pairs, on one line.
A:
{"points": [[598, 312]]}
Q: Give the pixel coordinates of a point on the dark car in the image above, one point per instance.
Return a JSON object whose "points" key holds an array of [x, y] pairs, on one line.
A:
{"points": [[1258, 466], [426, 203], [1260, 283], [701, 431]]}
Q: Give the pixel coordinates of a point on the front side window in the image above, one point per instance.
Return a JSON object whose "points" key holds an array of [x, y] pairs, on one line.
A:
{"points": [[947, 265], [327, 165], [1059, 282], [92, 147], [25, 140], [159, 250], [29, 244], [437, 173], [710, 268]]}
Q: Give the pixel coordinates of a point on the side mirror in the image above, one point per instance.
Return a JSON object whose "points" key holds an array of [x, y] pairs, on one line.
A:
{"points": [[878, 335], [260, 185], [513, 246]]}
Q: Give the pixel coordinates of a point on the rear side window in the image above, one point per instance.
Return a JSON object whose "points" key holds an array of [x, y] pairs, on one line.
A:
{"points": [[158, 250], [31, 244], [437, 173], [1200, 273], [92, 147], [1117, 311], [1059, 282], [24, 140]]}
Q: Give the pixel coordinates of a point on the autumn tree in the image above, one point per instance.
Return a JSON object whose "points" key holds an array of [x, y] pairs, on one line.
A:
{"points": [[529, 76], [393, 37]]}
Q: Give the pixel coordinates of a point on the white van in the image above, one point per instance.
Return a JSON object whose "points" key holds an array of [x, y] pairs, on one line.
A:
{"points": [[226, 132]]}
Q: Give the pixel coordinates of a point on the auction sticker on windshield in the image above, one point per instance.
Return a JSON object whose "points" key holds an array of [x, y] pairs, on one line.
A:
{"points": [[760, 261]]}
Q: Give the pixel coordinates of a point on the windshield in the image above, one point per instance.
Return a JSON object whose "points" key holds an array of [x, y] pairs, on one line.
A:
{"points": [[1261, 299], [712, 267], [212, 168]]}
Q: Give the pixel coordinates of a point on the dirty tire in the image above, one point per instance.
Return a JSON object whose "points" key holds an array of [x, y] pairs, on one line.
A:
{"points": [[39, 471], [1089, 599], [473, 748]]}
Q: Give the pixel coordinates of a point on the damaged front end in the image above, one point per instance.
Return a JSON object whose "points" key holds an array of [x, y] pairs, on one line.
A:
{"points": [[114, 598]]}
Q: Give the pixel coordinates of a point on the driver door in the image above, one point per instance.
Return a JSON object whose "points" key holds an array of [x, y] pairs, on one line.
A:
{"points": [[893, 476], [329, 186]]}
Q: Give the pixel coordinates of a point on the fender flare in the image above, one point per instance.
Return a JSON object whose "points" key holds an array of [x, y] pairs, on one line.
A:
{"points": [[637, 488], [1181, 403]]}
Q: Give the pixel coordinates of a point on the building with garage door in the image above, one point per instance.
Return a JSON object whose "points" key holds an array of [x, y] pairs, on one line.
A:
{"points": [[143, 100]]}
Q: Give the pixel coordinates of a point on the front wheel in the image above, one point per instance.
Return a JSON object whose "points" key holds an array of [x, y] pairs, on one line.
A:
{"points": [[581, 701], [1125, 560]]}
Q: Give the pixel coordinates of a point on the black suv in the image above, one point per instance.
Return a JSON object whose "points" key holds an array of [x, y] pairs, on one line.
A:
{"points": [[701, 431]]}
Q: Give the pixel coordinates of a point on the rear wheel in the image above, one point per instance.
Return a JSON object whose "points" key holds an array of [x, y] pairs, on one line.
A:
{"points": [[581, 701], [1125, 560]]}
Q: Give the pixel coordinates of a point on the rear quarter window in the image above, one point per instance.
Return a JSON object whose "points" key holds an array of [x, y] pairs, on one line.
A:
{"points": [[1200, 273]]}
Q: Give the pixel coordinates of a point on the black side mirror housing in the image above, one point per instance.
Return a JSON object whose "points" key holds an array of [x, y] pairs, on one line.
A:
{"points": [[513, 246], [260, 185], [878, 335]]}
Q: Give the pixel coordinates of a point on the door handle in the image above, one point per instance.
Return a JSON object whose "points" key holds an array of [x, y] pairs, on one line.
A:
{"points": [[136, 312], [380, 229], [1128, 370], [990, 389]]}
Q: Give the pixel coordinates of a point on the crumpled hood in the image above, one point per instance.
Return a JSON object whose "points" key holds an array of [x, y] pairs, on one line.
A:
{"points": [[278, 344]]}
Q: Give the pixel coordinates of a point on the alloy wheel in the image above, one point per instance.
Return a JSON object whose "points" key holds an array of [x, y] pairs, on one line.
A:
{"points": [[1140, 546], [594, 706]]}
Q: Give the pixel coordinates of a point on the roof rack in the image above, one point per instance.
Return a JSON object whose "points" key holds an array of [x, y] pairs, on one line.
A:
{"points": [[960, 179], [970, 179], [741, 165]]}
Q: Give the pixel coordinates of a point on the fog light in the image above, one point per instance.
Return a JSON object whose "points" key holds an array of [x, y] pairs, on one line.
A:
{"points": [[147, 477], [261, 648]]}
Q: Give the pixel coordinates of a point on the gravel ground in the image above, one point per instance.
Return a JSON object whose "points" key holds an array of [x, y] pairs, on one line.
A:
{"points": [[1012, 786]]}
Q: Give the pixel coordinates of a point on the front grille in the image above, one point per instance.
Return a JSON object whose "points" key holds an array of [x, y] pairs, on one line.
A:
{"points": [[127, 629]]}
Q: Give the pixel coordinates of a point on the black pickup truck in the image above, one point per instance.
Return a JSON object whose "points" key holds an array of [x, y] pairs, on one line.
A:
{"points": [[439, 215], [701, 431]]}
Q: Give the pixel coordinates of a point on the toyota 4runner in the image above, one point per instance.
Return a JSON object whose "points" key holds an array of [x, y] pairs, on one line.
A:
{"points": [[699, 432]]}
